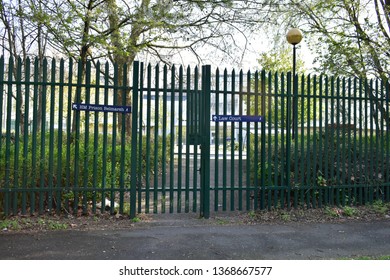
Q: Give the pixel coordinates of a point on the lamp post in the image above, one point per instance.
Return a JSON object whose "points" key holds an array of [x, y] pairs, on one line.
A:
{"points": [[294, 37]]}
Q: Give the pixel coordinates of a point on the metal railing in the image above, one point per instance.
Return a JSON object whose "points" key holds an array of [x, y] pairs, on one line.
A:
{"points": [[69, 143]]}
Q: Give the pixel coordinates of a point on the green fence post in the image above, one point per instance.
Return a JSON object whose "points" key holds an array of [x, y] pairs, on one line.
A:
{"points": [[134, 110], [205, 153]]}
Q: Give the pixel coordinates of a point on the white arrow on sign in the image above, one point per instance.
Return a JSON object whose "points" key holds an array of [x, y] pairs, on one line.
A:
{"points": [[74, 107]]}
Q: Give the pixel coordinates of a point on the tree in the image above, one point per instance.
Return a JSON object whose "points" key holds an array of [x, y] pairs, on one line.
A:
{"points": [[348, 37], [22, 38], [277, 60], [344, 35], [120, 30]]}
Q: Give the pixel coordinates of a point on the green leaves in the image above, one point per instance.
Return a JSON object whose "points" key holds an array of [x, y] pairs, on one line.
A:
{"points": [[344, 36]]}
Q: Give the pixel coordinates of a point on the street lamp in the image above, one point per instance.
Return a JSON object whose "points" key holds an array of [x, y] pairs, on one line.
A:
{"points": [[294, 37]]}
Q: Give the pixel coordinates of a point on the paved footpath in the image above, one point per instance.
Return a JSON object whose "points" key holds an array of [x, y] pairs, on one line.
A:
{"points": [[171, 237]]}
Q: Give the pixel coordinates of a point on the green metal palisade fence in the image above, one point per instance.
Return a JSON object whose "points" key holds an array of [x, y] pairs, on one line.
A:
{"points": [[177, 158]]}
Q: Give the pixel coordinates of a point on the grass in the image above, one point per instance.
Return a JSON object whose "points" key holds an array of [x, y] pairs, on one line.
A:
{"points": [[55, 225], [252, 214], [380, 207], [332, 212], [346, 211], [9, 225], [18, 224], [136, 219], [286, 217], [349, 211], [221, 221]]}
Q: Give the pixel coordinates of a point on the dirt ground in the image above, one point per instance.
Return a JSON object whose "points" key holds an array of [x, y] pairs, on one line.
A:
{"points": [[105, 221]]}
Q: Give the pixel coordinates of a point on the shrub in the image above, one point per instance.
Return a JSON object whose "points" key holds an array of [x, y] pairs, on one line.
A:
{"points": [[343, 166], [105, 164]]}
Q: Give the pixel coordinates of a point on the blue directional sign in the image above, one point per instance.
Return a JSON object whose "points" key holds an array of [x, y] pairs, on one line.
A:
{"points": [[237, 118], [101, 108]]}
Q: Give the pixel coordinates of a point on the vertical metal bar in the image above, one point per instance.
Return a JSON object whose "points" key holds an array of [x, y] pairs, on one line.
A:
{"points": [[355, 139], [86, 138], [308, 109], [248, 142], [172, 142], [256, 144], [148, 137], [7, 177], [344, 165], [216, 142], [164, 138], [232, 141], [180, 141], [240, 139], [156, 140], [123, 161], [26, 116], [105, 139], [195, 118], [225, 135], [51, 174], [96, 138], [299, 188], [283, 127], [348, 160], [288, 141], [361, 140], [16, 183], [139, 82], [332, 140], [59, 181], [326, 146], [263, 139], [295, 99], [379, 139], [372, 157], [270, 169], [320, 176], [338, 136], [382, 149], [114, 140], [366, 136], [43, 140], [69, 136], [299, 169], [315, 141], [134, 132], [277, 151], [188, 126], [205, 153], [77, 137]]}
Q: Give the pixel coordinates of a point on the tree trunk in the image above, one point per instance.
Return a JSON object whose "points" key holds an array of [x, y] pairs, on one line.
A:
{"points": [[85, 51], [123, 54]]}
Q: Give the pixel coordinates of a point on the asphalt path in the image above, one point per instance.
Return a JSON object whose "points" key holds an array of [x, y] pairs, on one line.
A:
{"points": [[172, 237]]}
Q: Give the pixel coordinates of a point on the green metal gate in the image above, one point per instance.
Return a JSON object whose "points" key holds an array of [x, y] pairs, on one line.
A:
{"points": [[171, 140]]}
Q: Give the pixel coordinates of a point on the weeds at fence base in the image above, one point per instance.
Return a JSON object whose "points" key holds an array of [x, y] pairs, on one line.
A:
{"points": [[54, 222], [376, 211]]}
